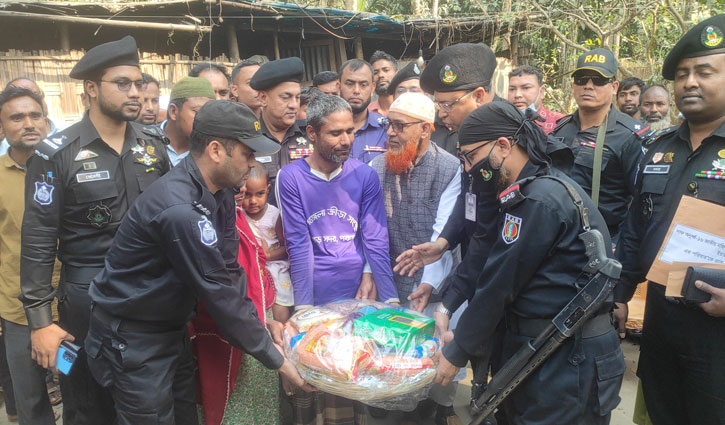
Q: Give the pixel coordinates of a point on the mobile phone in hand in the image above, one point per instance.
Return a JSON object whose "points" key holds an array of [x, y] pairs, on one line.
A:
{"points": [[67, 355]]}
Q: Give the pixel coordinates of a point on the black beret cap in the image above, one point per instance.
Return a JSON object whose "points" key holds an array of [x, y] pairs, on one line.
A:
{"points": [[410, 71], [463, 66], [278, 71], [704, 39], [114, 53]]}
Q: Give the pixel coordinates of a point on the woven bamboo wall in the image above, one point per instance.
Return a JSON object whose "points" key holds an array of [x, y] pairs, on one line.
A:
{"points": [[50, 69]]}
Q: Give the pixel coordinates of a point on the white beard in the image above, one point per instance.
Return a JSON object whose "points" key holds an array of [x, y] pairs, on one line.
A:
{"points": [[661, 124]]}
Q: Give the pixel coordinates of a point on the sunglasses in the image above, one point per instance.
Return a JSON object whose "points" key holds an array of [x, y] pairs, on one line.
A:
{"points": [[598, 81]]}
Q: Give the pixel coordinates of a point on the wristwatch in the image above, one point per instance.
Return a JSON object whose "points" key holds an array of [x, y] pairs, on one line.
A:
{"points": [[442, 309]]}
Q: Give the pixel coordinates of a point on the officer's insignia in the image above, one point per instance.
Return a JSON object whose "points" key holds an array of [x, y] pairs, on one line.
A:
{"points": [[150, 150], [669, 157], [146, 159], [137, 149], [637, 126], [99, 215], [43, 193], [711, 36], [208, 234], [721, 153], [141, 142], [718, 164], [486, 174], [416, 69], [511, 229], [90, 165], [42, 155], [657, 157], [301, 140], [84, 154], [448, 75]]}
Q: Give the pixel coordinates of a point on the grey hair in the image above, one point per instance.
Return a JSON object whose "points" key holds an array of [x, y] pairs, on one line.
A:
{"points": [[322, 106]]}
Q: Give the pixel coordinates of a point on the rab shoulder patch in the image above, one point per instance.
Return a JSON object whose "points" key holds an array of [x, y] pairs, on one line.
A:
{"points": [[511, 229]]}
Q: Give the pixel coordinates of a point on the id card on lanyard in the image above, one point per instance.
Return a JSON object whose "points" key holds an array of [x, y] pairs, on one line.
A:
{"points": [[470, 206]]}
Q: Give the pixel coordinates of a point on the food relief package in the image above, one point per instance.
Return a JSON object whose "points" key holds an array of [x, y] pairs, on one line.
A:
{"points": [[364, 350]]}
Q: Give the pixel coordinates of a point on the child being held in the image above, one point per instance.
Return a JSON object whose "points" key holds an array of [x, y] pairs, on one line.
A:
{"points": [[266, 223]]}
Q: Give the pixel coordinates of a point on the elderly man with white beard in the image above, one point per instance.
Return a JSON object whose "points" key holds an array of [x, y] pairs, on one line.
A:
{"points": [[420, 183]]}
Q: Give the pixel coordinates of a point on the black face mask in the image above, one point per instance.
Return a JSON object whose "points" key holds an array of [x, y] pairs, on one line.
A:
{"points": [[484, 177]]}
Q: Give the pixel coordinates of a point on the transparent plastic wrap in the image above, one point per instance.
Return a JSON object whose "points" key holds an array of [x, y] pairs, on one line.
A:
{"points": [[363, 350]]}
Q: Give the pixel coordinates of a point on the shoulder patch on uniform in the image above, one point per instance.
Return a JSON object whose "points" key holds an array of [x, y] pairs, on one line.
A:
{"points": [[208, 233], [511, 228], [561, 122], [653, 137], [43, 193], [511, 196], [48, 147], [157, 132]]}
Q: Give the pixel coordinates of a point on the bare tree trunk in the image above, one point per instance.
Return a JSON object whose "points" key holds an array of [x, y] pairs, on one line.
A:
{"points": [[434, 8]]}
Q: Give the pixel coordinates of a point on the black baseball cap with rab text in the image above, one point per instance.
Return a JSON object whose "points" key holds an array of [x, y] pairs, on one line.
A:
{"points": [[232, 120], [600, 60]]}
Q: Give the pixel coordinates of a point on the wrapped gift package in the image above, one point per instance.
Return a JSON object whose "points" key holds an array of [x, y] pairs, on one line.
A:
{"points": [[363, 350]]}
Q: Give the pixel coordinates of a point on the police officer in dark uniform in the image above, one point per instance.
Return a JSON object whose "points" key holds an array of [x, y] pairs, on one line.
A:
{"points": [[681, 364], [78, 187], [594, 85], [533, 270], [178, 243], [278, 84]]}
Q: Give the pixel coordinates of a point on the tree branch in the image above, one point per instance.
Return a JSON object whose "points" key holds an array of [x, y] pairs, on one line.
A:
{"points": [[676, 15]]}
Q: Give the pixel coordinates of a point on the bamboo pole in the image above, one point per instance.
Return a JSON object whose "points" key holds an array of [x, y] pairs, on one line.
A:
{"points": [[105, 22]]}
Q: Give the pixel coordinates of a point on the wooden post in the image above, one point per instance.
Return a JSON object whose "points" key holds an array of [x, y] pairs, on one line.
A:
{"points": [[341, 52], [232, 43], [359, 48], [276, 45], [64, 37], [331, 54]]}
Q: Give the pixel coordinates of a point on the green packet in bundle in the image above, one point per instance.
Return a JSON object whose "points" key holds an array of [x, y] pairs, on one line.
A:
{"points": [[395, 329]]}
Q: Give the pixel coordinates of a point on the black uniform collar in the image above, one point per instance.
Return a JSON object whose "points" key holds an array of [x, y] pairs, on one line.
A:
{"points": [[531, 169], [292, 131], [611, 119], [207, 201], [684, 131], [89, 134]]}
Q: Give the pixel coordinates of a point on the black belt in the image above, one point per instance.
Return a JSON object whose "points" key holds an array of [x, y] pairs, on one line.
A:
{"points": [[83, 275], [136, 326], [596, 326]]}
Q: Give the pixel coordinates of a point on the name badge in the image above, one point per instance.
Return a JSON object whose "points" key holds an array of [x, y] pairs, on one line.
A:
{"points": [[264, 159], [92, 177], [656, 169], [470, 206]]}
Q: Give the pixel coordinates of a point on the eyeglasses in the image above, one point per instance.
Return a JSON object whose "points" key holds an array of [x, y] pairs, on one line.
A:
{"points": [[124, 84], [465, 157], [596, 79], [397, 126], [401, 90], [448, 106]]}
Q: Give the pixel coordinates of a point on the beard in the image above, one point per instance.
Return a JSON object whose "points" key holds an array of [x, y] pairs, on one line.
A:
{"points": [[329, 154], [663, 122], [358, 109], [116, 112], [381, 90], [400, 162]]}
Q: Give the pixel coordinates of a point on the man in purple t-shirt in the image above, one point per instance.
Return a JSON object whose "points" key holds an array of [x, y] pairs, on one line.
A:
{"points": [[333, 216]]}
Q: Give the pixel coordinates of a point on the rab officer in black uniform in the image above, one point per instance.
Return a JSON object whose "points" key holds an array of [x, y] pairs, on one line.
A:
{"points": [[532, 272], [78, 187], [278, 84], [594, 85], [682, 359], [178, 243]]}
